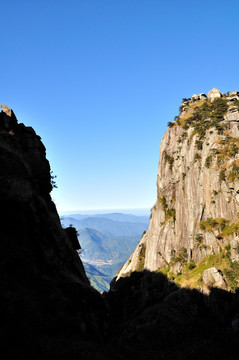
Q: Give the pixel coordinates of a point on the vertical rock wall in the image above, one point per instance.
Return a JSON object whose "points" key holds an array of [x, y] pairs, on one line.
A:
{"points": [[197, 180], [44, 288]]}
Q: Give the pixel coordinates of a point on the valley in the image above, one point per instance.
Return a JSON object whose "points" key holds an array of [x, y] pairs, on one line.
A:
{"points": [[106, 242]]}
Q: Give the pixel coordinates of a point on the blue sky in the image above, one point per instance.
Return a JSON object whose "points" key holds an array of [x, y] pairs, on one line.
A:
{"points": [[99, 79]]}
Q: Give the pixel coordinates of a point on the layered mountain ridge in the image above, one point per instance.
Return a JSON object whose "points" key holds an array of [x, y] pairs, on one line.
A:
{"points": [[107, 240], [196, 214]]}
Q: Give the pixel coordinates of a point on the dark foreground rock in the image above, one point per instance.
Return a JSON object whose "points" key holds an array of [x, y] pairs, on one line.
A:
{"points": [[48, 310], [45, 296], [158, 320]]}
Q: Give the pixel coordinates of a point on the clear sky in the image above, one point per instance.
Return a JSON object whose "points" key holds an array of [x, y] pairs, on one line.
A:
{"points": [[99, 79]]}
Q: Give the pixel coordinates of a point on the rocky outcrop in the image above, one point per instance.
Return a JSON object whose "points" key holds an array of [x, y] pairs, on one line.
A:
{"points": [[44, 288], [214, 277], [197, 207], [235, 249], [214, 94]]}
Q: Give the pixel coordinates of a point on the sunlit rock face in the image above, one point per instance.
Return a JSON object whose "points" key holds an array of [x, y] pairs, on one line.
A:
{"points": [[213, 277], [214, 94], [197, 180], [44, 288]]}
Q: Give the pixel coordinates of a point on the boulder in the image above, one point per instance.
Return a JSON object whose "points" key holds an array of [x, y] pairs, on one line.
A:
{"points": [[214, 94], [232, 96], [214, 277], [195, 98], [6, 110], [177, 268], [235, 249], [232, 114], [233, 93], [202, 96]]}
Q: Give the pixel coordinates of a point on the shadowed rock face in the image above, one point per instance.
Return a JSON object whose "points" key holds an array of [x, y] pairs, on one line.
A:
{"points": [[156, 320], [44, 288]]}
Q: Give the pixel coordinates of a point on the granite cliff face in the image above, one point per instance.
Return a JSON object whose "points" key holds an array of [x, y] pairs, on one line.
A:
{"points": [[44, 289], [49, 311], [197, 207]]}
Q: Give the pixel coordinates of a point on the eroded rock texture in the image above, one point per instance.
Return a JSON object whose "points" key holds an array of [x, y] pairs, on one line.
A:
{"points": [[197, 207], [45, 293]]}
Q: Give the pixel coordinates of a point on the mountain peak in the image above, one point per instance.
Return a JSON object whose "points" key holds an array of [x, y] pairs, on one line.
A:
{"points": [[196, 212]]}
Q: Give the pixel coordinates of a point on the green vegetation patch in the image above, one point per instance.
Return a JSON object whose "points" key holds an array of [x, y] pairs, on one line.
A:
{"points": [[198, 241], [170, 214], [210, 224], [224, 227], [192, 273], [180, 257], [208, 161], [229, 149], [236, 103], [222, 175], [197, 157], [199, 144], [168, 159], [233, 174], [141, 258], [205, 116]]}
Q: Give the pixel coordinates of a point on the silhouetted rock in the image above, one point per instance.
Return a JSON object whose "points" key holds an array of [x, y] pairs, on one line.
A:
{"points": [[72, 235], [44, 289]]}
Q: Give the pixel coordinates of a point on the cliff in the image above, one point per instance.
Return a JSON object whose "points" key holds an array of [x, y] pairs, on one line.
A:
{"points": [[45, 293], [197, 207], [49, 311]]}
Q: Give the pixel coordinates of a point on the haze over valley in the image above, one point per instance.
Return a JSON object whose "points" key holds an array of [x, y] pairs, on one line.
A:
{"points": [[107, 240]]}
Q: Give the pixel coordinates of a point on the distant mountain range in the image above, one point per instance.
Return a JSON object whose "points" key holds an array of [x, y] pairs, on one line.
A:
{"points": [[111, 216], [108, 226], [106, 240]]}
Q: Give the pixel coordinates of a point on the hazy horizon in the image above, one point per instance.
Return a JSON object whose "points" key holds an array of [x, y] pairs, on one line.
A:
{"points": [[136, 211]]}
